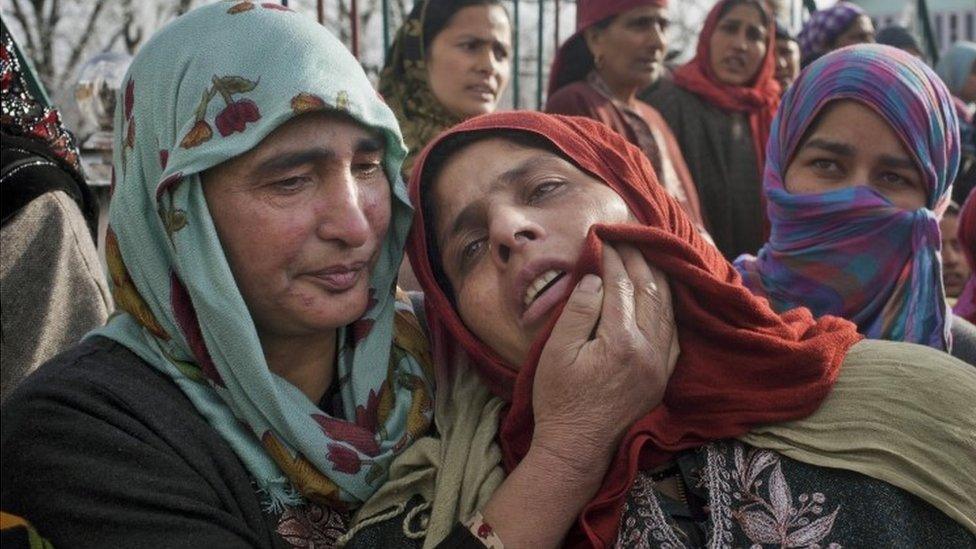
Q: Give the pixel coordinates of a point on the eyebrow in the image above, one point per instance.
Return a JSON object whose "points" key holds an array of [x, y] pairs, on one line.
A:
{"points": [[315, 155], [470, 213], [843, 149]]}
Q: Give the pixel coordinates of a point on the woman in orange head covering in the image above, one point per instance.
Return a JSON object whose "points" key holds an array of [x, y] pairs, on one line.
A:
{"points": [[720, 106]]}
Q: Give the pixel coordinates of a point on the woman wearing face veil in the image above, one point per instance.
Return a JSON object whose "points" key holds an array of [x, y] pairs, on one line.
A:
{"points": [[763, 428], [855, 190]]}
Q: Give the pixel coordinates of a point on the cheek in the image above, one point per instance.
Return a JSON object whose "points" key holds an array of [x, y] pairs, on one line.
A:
{"points": [[377, 208]]}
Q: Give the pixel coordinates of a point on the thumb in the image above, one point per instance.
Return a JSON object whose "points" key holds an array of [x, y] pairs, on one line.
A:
{"points": [[578, 319]]}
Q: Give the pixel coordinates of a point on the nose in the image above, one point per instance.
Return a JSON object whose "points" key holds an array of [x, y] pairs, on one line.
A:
{"points": [[656, 38], [510, 232], [340, 212], [487, 62], [949, 256]]}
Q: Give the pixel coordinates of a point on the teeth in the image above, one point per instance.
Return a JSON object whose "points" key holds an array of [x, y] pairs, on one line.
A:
{"points": [[538, 284]]}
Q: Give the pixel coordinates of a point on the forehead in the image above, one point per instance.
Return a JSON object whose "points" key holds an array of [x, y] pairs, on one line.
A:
{"points": [[859, 125], [744, 13], [470, 172], [644, 11], [331, 130], [479, 20]]}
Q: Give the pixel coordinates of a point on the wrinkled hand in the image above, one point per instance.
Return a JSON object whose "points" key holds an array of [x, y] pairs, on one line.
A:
{"points": [[608, 360]]}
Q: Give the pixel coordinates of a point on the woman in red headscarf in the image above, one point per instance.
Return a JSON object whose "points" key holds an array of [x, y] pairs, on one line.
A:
{"points": [[618, 49], [720, 106], [833, 444]]}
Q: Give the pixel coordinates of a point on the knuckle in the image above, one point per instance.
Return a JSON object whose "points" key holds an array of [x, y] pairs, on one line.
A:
{"points": [[624, 285]]}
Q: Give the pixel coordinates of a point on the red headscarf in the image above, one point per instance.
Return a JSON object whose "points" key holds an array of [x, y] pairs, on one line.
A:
{"points": [[741, 363], [588, 13], [760, 99]]}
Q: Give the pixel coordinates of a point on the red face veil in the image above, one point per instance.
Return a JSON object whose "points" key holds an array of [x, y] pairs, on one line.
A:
{"points": [[741, 364]]}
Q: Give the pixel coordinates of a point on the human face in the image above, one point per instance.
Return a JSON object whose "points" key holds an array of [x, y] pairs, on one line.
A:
{"points": [[631, 48], [469, 62], [738, 45], [301, 218], [955, 269], [852, 145], [861, 31], [787, 62], [510, 224]]}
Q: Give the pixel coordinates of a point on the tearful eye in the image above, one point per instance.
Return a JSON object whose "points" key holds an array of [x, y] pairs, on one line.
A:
{"points": [[543, 189], [472, 249], [368, 169]]}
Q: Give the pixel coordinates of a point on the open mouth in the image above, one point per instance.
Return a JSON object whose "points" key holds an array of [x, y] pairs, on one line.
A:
{"points": [[541, 284], [735, 63]]}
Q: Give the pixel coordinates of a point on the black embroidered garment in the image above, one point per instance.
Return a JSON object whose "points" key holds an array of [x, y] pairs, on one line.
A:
{"points": [[736, 495]]}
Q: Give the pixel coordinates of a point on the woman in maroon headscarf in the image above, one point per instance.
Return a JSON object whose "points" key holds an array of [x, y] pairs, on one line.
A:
{"points": [[618, 49], [513, 210], [720, 106]]}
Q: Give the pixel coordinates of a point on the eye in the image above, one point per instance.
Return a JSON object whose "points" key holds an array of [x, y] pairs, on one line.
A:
{"points": [[501, 52], [543, 189], [471, 45], [471, 251], [893, 179], [825, 165], [367, 169], [292, 184], [756, 34]]}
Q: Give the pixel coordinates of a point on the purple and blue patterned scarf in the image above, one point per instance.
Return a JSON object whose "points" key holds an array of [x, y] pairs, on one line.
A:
{"points": [[823, 27], [851, 252]]}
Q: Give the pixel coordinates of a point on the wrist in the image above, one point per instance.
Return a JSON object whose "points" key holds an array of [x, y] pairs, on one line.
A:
{"points": [[580, 458]]}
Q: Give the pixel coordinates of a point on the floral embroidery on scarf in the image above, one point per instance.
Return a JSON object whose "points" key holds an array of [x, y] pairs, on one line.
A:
{"points": [[302, 473], [312, 525], [128, 102], [232, 119], [242, 7], [776, 519], [186, 318], [124, 290], [306, 102]]}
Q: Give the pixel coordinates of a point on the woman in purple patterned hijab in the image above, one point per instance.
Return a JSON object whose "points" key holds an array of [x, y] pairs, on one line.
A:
{"points": [[859, 168], [843, 24]]}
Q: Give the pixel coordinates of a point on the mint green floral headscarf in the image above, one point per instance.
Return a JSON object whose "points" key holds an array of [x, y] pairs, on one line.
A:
{"points": [[207, 88]]}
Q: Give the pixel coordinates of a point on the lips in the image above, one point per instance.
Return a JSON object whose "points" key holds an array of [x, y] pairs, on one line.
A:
{"points": [[734, 63], [339, 278], [485, 90], [539, 286]]}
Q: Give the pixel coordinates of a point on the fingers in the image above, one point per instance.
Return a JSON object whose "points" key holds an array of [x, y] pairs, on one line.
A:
{"points": [[617, 326], [653, 309], [579, 317]]}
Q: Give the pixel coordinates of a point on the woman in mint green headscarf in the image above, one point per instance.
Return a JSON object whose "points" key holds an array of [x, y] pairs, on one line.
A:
{"points": [[262, 375]]}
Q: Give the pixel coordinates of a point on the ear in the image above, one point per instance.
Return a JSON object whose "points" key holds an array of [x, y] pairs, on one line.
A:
{"points": [[593, 37]]}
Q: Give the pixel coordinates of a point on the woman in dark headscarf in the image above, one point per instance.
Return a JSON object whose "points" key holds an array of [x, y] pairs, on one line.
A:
{"points": [[618, 49], [720, 106], [861, 160], [450, 60], [516, 207]]}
